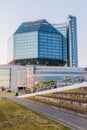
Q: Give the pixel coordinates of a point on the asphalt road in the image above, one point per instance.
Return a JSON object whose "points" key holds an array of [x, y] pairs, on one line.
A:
{"points": [[72, 121]]}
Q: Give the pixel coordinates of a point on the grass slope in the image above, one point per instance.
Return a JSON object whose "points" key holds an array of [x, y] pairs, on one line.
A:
{"points": [[3, 93], [75, 91], [16, 117]]}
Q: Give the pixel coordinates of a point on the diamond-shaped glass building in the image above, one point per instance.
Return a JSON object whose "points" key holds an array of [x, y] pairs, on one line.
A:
{"points": [[38, 43]]}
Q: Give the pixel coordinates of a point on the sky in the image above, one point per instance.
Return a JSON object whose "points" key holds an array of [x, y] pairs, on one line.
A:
{"points": [[14, 12]]}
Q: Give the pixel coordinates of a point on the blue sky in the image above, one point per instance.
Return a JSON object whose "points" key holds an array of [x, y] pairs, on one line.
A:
{"points": [[14, 12]]}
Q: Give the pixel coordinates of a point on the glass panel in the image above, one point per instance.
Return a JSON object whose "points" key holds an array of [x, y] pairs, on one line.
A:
{"points": [[5, 78]]}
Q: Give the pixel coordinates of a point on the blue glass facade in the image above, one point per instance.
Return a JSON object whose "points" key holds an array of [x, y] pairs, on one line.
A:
{"points": [[50, 45], [69, 31], [25, 45], [62, 28], [72, 41], [40, 43]]}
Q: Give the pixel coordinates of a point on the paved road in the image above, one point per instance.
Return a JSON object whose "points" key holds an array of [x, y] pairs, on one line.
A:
{"points": [[72, 121]]}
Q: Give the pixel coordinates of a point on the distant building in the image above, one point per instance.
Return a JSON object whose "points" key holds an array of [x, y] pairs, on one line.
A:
{"points": [[37, 43], [42, 43], [72, 41], [15, 77], [69, 31]]}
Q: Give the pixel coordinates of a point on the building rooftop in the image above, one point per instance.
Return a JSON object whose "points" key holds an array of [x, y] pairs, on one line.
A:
{"points": [[40, 25]]}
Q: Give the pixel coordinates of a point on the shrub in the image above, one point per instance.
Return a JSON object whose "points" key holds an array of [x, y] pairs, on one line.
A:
{"points": [[8, 90]]}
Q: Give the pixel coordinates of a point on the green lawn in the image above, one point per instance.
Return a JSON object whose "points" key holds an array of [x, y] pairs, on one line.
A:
{"points": [[75, 91], [16, 117]]}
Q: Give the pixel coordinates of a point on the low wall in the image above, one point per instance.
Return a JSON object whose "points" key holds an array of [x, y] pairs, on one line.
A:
{"points": [[64, 100], [70, 94]]}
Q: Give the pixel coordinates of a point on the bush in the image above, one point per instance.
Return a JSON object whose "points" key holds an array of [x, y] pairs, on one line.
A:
{"points": [[8, 90]]}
